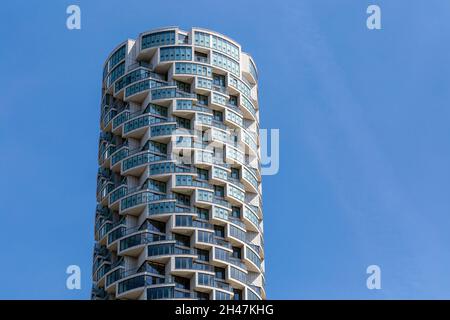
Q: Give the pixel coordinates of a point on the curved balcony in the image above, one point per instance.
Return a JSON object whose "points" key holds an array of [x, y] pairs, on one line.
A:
{"points": [[119, 154], [253, 293], [100, 273], [113, 275], [187, 222], [185, 107], [136, 162], [186, 266], [134, 286], [134, 243], [186, 70], [223, 257], [115, 195], [252, 260], [207, 239], [248, 108], [137, 92], [235, 195], [168, 168], [118, 121], [116, 232], [162, 252], [208, 197], [105, 154], [251, 219], [169, 292], [167, 93], [136, 127], [105, 190], [102, 232], [135, 201], [105, 120], [249, 180], [188, 182]]}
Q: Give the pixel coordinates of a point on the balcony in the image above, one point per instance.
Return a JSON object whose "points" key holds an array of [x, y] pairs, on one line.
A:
{"points": [[183, 107], [183, 182], [134, 203], [134, 244], [187, 221], [105, 120], [166, 93], [137, 126], [135, 163]]}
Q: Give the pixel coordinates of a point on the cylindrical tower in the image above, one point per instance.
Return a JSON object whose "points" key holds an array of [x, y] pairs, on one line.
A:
{"points": [[179, 210]]}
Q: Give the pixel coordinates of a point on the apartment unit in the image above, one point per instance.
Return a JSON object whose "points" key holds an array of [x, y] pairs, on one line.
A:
{"points": [[179, 208]]}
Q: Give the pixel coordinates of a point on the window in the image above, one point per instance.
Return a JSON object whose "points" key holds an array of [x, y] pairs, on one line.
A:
{"points": [[237, 294], [220, 273], [182, 38], [175, 53], [203, 255], [202, 213], [219, 191], [183, 263], [218, 115], [236, 253], [219, 231], [202, 39], [155, 185], [203, 100], [183, 86], [233, 100], [183, 123], [182, 240], [158, 39], [156, 226], [235, 173], [183, 199], [201, 295], [218, 80], [155, 268], [226, 63], [202, 174], [236, 212], [201, 57], [182, 283]]}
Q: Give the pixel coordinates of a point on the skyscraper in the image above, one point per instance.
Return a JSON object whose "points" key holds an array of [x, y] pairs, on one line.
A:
{"points": [[179, 210]]}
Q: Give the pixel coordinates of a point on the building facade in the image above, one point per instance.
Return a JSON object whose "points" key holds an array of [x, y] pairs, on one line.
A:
{"points": [[179, 209]]}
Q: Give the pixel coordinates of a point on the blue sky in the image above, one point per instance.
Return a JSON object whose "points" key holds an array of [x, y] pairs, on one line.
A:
{"points": [[363, 118]]}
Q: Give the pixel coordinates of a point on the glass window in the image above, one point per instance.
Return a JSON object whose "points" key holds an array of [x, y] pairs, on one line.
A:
{"points": [[182, 283], [182, 240], [218, 115], [220, 273], [203, 100], [236, 253], [203, 174], [236, 212], [203, 255], [235, 173], [219, 231], [233, 100], [219, 191], [237, 294], [219, 80], [202, 213]]}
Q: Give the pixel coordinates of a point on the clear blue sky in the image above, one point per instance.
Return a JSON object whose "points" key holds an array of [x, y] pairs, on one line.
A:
{"points": [[363, 117]]}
